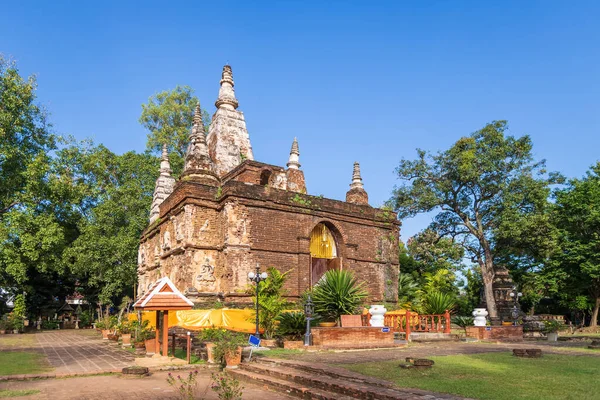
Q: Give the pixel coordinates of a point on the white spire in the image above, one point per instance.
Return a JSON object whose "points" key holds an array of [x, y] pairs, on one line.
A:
{"points": [[293, 161], [357, 182], [164, 185], [226, 93]]}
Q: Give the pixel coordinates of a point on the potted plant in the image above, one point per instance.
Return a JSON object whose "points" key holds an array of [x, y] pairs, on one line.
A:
{"points": [[124, 329], [551, 328], [210, 336], [338, 293], [228, 348], [3, 326], [15, 322], [147, 336]]}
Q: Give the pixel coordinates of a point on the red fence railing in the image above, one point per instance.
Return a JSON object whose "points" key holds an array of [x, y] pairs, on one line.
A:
{"points": [[413, 322]]}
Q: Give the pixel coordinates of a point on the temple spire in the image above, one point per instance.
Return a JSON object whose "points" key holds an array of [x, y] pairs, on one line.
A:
{"points": [[357, 182], [293, 161], [165, 166], [197, 158], [226, 92], [164, 185], [357, 193]]}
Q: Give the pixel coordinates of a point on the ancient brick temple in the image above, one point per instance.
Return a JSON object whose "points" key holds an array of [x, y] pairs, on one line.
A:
{"points": [[227, 213]]}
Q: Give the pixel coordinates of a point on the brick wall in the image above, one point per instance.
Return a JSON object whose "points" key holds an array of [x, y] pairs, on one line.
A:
{"points": [[233, 227], [352, 337], [495, 332]]}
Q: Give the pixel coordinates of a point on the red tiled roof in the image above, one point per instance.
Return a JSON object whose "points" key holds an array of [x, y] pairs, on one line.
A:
{"points": [[163, 295]]}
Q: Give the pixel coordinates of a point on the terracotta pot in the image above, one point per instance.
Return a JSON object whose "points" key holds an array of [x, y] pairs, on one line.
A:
{"points": [[105, 333], [113, 337], [150, 345], [327, 324], [210, 353], [2, 332], [233, 359], [126, 339]]}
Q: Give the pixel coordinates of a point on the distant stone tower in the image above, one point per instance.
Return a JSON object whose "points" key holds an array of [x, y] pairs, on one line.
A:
{"points": [[198, 164], [164, 185], [357, 193], [228, 139]]}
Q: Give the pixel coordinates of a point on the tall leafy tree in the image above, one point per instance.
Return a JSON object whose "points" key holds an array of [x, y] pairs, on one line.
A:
{"points": [[473, 185], [104, 255], [577, 217], [168, 116]]}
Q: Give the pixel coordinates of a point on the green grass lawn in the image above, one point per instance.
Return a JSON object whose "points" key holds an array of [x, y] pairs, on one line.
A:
{"points": [[18, 362], [6, 393], [497, 376], [21, 340], [182, 353]]}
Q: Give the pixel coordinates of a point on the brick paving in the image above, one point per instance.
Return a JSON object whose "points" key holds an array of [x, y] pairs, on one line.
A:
{"points": [[72, 351], [153, 387]]}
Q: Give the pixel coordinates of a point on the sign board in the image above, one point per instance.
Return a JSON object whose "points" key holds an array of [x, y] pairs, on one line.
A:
{"points": [[254, 341], [488, 328], [385, 330]]}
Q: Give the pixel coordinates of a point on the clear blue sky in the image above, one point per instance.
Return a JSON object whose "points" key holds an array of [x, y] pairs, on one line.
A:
{"points": [[364, 81]]}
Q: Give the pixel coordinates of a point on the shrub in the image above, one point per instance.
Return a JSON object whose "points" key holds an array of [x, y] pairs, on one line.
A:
{"points": [[553, 326], [186, 387], [270, 300], [338, 293], [437, 303], [292, 325], [85, 318], [124, 327], [463, 321], [227, 343], [226, 386]]}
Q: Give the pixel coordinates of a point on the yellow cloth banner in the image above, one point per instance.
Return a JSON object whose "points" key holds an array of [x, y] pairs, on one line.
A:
{"points": [[232, 319]]}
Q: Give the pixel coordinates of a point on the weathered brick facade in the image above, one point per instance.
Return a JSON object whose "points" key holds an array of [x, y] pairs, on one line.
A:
{"points": [[215, 227]]}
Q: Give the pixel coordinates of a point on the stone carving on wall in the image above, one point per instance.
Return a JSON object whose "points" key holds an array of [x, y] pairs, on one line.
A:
{"points": [[166, 241], [206, 280]]}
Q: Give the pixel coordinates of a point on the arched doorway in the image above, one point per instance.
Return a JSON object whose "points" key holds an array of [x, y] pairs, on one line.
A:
{"points": [[323, 252]]}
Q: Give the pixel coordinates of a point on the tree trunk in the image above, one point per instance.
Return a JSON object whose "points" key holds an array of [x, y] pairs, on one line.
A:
{"points": [[594, 320], [487, 272]]}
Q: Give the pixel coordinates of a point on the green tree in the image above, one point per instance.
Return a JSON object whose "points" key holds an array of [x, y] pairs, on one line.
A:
{"points": [[25, 138], [473, 185], [433, 252], [271, 300], [38, 215], [168, 116], [104, 255], [577, 217]]}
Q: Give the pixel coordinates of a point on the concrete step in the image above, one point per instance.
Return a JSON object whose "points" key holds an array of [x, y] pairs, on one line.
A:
{"points": [[284, 386], [325, 383]]}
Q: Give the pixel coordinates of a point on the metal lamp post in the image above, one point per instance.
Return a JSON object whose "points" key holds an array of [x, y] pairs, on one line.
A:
{"points": [[257, 277], [515, 295], [309, 309]]}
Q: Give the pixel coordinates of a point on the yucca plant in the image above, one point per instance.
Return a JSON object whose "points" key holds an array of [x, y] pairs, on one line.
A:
{"points": [[437, 303], [338, 293], [292, 324], [463, 322]]}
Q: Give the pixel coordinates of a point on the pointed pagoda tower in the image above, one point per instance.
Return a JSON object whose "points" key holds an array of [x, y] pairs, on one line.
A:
{"points": [[228, 139], [294, 176], [198, 164], [357, 193], [164, 185]]}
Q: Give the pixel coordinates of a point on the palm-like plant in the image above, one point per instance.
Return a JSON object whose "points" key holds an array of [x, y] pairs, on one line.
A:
{"points": [[338, 293], [437, 303], [408, 291], [463, 322]]}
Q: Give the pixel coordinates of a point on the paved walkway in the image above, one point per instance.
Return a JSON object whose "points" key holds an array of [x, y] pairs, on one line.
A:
{"points": [[114, 387], [72, 351]]}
